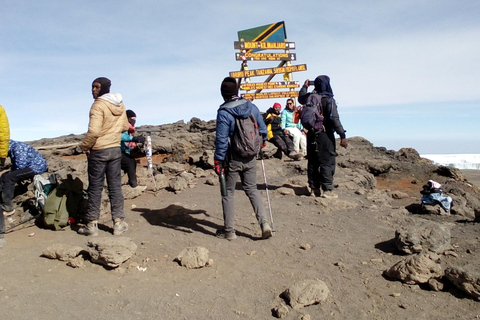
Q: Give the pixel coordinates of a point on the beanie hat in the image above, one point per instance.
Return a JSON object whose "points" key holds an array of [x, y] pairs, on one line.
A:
{"points": [[105, 84], [229, 88], [277, 105], [131, 114]]}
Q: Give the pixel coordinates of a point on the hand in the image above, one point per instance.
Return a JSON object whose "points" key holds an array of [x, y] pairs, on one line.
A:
{"points": [[139, 139], [218, 166], [343, 143], [307, 82]]}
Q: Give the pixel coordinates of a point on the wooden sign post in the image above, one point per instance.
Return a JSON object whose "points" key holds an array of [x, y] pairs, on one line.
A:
{"points": [[252, 43]]}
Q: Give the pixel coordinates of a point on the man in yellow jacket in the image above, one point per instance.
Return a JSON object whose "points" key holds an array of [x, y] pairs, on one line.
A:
{"points": [[102, 144], [4, 146]]}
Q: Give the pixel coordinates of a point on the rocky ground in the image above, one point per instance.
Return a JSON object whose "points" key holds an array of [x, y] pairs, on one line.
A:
{"points": [[373, 253]]}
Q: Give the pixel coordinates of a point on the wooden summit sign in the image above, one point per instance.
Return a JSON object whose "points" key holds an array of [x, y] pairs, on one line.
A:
{"points": [[252, 43]]}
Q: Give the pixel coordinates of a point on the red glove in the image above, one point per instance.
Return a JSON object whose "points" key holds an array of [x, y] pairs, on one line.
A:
{"points": [[218, 166]]}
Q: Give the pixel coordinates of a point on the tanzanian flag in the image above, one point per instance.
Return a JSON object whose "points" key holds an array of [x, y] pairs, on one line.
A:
{"points": [[274, 32]]}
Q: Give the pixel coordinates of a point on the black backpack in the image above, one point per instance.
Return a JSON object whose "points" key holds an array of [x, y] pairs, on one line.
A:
{"points": [[312, 114], [247, 140]]}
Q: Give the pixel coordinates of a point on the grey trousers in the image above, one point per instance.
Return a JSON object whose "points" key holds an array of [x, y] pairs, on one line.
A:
{"points": [[247, 170], [101, 164]]}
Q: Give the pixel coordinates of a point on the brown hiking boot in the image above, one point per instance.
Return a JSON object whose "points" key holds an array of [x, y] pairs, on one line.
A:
{"points": [[119, 227], [329, 194], [266, 230], [222, 234], [90, 229]]}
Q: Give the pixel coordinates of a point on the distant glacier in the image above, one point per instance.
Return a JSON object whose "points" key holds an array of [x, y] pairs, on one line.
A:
{"points": [[459, 161]]}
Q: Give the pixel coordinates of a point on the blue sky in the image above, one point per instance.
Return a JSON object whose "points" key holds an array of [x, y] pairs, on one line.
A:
{"points": [[404, 73]]}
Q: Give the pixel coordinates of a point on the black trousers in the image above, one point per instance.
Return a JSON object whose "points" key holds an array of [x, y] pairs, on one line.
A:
{"points": [[129, 166], [283, 143], [321, 160], [101, 164], [7, 189]]}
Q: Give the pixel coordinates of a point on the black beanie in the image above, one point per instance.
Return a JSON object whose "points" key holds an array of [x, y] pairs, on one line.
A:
{"points": [[229, 88], [131, 114], [105, 84]]}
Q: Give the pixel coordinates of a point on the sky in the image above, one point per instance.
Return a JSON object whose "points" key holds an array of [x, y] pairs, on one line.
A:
{"points": [[404, 73]]}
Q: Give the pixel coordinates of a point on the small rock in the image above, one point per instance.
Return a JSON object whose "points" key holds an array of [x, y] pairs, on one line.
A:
{"points": [[306, 292], [194, 257], [280, 311], [62, 252], [305, 246]]}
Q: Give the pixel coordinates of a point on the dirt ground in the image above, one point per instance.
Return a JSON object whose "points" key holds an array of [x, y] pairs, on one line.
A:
{"points": [[350, 248]]}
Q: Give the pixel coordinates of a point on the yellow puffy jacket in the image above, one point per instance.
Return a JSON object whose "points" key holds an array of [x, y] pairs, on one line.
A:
{"points": [[4, 133]]}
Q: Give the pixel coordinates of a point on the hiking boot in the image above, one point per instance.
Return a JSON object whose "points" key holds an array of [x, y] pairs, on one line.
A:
{"points": [[266, 230], [295, 155], [8, 213], [3, 242], [329, 194], [90, 229], [8, 207], [221, 234], [315, 192], [119, 227], [140, 188]]}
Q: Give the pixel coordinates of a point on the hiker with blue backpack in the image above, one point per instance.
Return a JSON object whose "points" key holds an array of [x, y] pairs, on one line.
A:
{"points": [[26, 163], [320, 117], [236, 155]]}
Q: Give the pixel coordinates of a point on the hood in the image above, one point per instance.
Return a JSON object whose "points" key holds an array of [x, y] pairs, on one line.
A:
{"points": [[115, 103], [322, 86], [239, 108]]}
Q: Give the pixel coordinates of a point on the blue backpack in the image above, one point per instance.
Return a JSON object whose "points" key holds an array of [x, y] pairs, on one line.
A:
{"points": [[312, 114]]}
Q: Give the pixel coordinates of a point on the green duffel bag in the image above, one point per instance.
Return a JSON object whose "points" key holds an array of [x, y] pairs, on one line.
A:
{"points": [[62, 203]]}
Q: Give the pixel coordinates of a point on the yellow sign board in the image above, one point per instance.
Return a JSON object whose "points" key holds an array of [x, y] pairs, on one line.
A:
{"points": [[267, 71], [269, 85], [270, 95], [266, 56], [244, 45]]}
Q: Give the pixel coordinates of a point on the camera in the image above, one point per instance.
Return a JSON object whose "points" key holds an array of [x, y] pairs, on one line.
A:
{"points": [[311, 82]]}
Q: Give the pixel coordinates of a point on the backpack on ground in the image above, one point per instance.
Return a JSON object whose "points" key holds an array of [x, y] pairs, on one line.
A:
{"points": [[312, 114], [42, 188], [63, 203], [247, 140]]}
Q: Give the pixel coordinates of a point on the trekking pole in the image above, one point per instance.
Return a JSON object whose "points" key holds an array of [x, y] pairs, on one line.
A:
{"points": [[266, 189], [149, 152]]}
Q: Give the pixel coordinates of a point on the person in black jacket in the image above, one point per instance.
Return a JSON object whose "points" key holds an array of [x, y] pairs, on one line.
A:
{"points": [[321, 151]]}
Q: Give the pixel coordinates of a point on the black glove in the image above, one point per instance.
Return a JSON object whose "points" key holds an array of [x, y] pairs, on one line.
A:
{"points": [[139, 139]]}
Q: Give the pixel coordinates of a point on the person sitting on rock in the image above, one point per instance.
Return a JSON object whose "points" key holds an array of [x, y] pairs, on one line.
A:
{"points": [[26, 163], [129, 143], [295, 130], [276, 135]]}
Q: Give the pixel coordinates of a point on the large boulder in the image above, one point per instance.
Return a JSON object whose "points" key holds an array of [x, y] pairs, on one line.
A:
{"points": [[111, 252], [423, 236], [62, 252], [194, 258], [465, 280], [306, 292], [419, 268]]}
